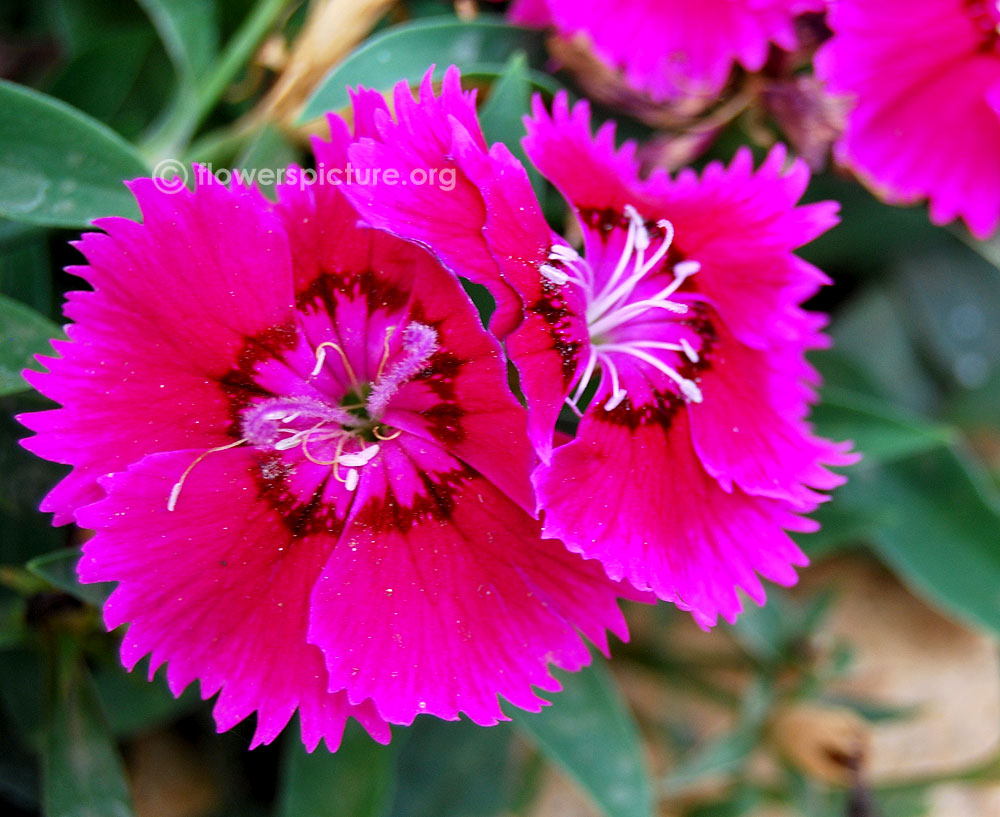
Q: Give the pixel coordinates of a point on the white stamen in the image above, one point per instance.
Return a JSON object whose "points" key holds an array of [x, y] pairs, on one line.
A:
{"points": [[614, 305], [688, 387], [617, 392], [359, 458], [553, 274], [685, 269], [351, 480], [321, 359], [613, 293], [689, 351], [615, 400], [175, 491], [563, 252]]}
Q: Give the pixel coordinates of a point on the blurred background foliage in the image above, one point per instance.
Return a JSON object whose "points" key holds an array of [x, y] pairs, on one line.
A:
{"points": [[872, 688]]}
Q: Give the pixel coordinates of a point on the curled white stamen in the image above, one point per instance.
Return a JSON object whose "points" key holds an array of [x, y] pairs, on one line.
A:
{"points": [[688, 387], [615, 305], [614, 293], [175, 491], [617, 392], [321, 359]]}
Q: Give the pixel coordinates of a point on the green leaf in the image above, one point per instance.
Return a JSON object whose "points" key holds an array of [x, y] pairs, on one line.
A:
{"points": [[478, 47], [24, 532], [83, 773], [871, 321], [590, 733], [25, 272], [59, 167], [502, 115], [880, 431], [23, 334], [729, 753], [452, 769], [59, 568], [22, 693], [269, 149], [134, 704], [188, 33], [356, 781], [101, 79], [940, 531]]}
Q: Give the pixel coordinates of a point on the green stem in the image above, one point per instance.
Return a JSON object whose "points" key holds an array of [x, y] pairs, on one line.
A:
{"points": [[234, 56]]}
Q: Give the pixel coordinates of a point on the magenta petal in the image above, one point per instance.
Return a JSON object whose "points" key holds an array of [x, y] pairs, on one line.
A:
{"points": [[218, 589], [898, 61], [654, 517], [462, 403], [749, 430], [176, 297], [441, 596], [677, 49], [474, 210], [561, 146]]}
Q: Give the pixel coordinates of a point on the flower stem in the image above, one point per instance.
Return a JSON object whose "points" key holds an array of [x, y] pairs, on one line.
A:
{"points": [[234, 56]]}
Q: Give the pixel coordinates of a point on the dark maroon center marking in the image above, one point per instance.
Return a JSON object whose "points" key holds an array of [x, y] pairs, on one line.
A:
{"points": [[552, 309], [306, 515], [436, 502]]}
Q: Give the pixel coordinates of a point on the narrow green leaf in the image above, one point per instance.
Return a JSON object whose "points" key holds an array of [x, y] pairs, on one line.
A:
{"points": [[452, 769], [723, 756], [83, 773], [941, 532], [134, 704], [880, 431], [59, 167], [24, 532], [99, 80], [730, 752], [502, 115], [59, 568], [478, 47], [356, 781], [188, 33], [590, 733], [23, 334]]}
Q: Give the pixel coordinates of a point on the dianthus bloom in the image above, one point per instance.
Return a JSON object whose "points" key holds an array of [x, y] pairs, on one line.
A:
{"points": [[305, 470], [924, 76], [675, 49], [677, 335]]}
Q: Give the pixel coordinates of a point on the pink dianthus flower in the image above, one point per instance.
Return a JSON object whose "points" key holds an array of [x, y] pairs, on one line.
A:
{"points": [[924, 78], [675, 49], [304, 467], [677, 335]]}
